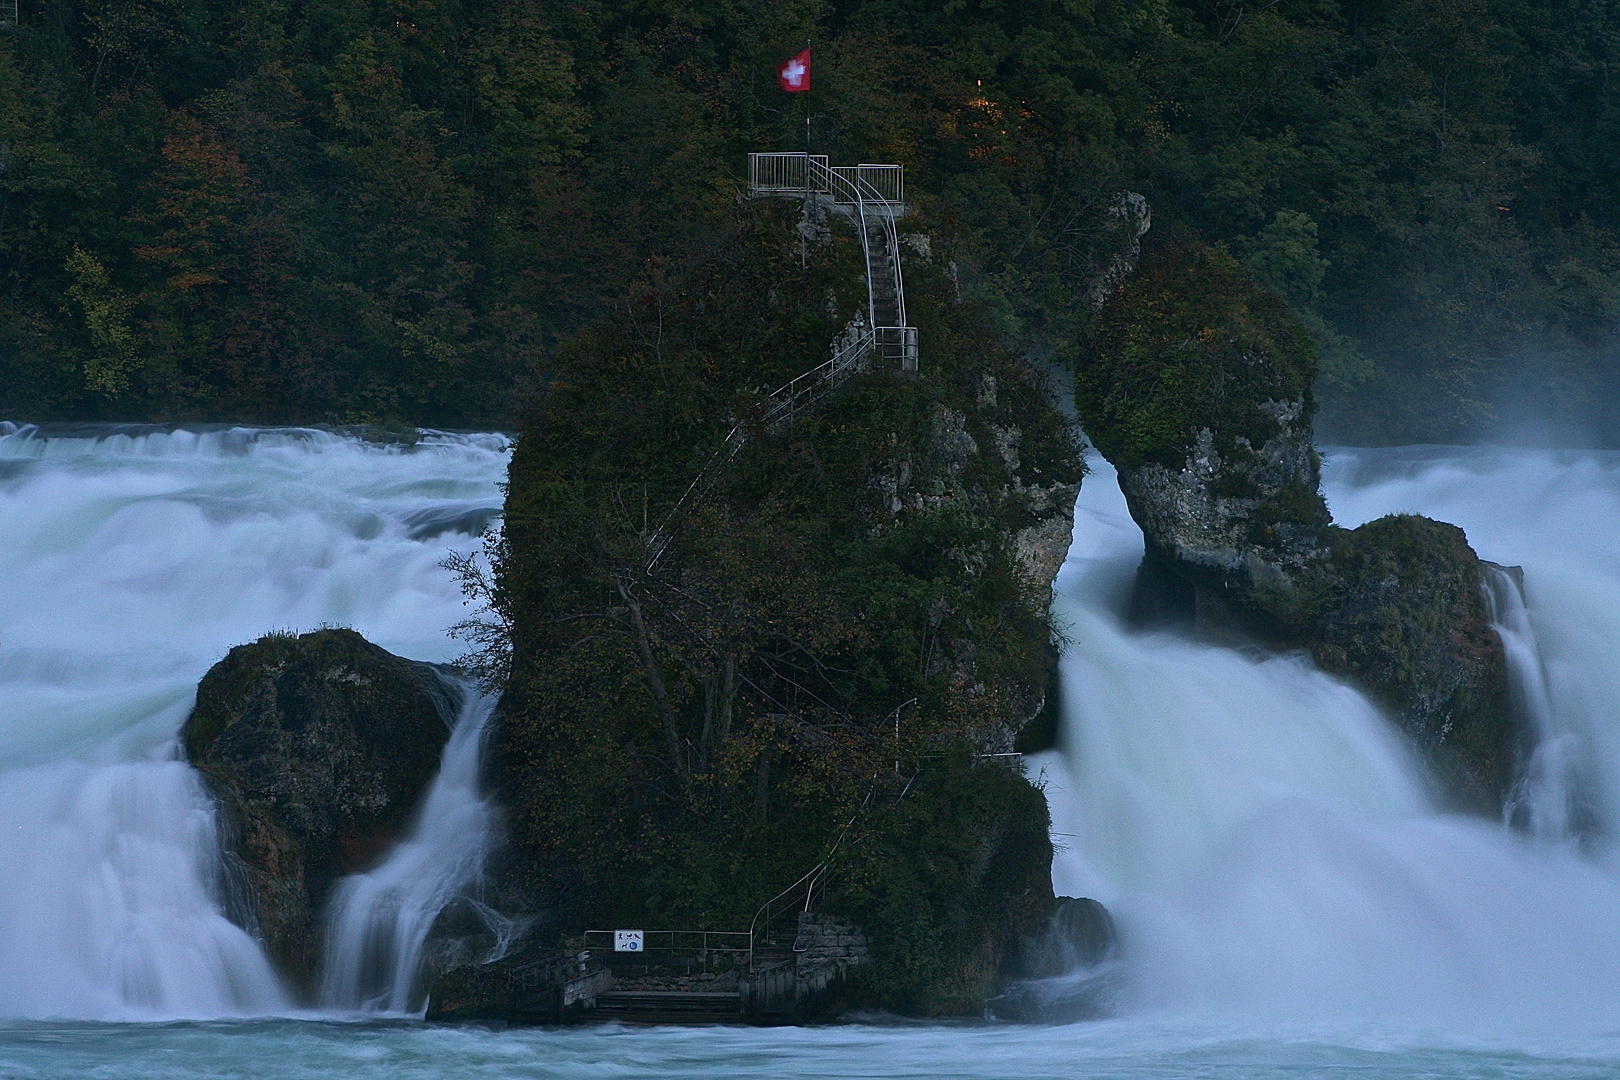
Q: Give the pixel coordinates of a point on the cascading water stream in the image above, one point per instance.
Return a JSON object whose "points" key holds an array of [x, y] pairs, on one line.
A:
{"points": [[1545, 800], [1271, 847], [379, 921], [131, 561], [111, 905]]}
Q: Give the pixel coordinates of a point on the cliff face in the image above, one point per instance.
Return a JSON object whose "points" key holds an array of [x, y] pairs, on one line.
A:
{"points": [[1196, 386], [318, 748]]}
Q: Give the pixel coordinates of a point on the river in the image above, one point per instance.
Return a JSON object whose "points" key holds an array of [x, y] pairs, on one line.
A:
{"points": [[1294, 898]]}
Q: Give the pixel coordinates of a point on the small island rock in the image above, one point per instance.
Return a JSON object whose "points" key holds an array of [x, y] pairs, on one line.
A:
{"points": [[317, 747]]}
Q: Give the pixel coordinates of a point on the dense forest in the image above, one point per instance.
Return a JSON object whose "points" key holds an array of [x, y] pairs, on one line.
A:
{"points": [[398, 211]]}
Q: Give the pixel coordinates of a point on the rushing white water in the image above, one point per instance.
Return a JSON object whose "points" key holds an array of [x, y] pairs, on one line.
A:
{"points": [[1293, 899], [1270, 845], [380, 920], [129, 563], [1546, 799]]}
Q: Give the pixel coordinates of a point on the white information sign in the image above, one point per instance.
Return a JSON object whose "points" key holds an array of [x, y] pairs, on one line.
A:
{"points": [[627, 940]]}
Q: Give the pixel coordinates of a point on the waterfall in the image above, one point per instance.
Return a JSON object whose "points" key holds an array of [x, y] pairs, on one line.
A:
{"points": [[378, 921], [1544, 800], [1269, 843], [131, 560], [111, 905], [1266, 839]]}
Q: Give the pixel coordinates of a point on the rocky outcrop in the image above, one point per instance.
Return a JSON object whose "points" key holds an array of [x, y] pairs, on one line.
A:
{"points": [[1198, 391], [1247, 518], [1408, 619], [317, 747], [831, 643], [1126, 221]]}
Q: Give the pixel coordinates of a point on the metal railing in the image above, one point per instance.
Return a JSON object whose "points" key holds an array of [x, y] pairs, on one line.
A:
{"points": [[887, 181], [677, 941], [797, 395], [899, 344], [784, 405], [788, 898], [873, 195], [810, 882], [797, 174], [873, 208], [790, 174], [549, 970], [8, 14]]}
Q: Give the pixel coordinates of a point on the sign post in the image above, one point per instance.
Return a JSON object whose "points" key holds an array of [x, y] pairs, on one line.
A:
{"points": [[627, 940]]}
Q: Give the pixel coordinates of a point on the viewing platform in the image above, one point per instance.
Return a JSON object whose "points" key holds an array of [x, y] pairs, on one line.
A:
{"points": [[691, 977], [872, 199], [881, 187]]}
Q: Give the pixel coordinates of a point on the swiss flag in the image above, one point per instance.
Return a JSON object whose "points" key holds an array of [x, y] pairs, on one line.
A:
{"points": [[794, 74]]}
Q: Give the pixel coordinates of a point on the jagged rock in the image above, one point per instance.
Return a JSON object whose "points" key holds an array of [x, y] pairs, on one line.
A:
{"points": [[318, 748], [1198, 390], [1246, 518], [1127, 220], [1041, 548]]}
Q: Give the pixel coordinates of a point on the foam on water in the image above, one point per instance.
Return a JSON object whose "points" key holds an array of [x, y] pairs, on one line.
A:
{"points": [[129, 563]]}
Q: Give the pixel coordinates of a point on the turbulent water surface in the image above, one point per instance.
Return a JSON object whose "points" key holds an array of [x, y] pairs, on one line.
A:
{"points": [[1294, 899]]}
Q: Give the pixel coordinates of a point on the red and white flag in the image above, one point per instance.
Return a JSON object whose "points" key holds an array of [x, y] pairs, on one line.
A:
{"points": [[794, 74]]}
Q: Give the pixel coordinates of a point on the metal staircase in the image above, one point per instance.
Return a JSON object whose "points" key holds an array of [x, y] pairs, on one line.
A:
{"points": [[872, 198]]}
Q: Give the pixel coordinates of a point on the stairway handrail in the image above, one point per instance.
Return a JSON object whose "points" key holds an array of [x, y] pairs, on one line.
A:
{"points": [[798, 393], [819, 176], [787, 403], [810, 878]]}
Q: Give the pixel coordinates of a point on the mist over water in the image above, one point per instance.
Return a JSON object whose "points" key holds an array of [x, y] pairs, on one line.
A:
{"points": [[1293, 895]]}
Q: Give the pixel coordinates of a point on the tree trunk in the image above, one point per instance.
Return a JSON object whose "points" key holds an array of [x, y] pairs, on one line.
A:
{"points": [[655, 682], [762, 785], [728, 694]]}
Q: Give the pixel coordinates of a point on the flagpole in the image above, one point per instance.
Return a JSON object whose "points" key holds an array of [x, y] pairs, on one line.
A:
{"points": [[809, 81]]}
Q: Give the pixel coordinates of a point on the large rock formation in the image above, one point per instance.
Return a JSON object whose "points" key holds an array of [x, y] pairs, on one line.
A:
{"points": [[833, 635], [1198, 390], [317, 747]]}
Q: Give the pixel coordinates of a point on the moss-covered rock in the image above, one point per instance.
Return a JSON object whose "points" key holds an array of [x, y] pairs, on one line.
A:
{"points": [[317, 747], [947, 885], [1409, 621], [1196, 385], [1188, 345]]}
